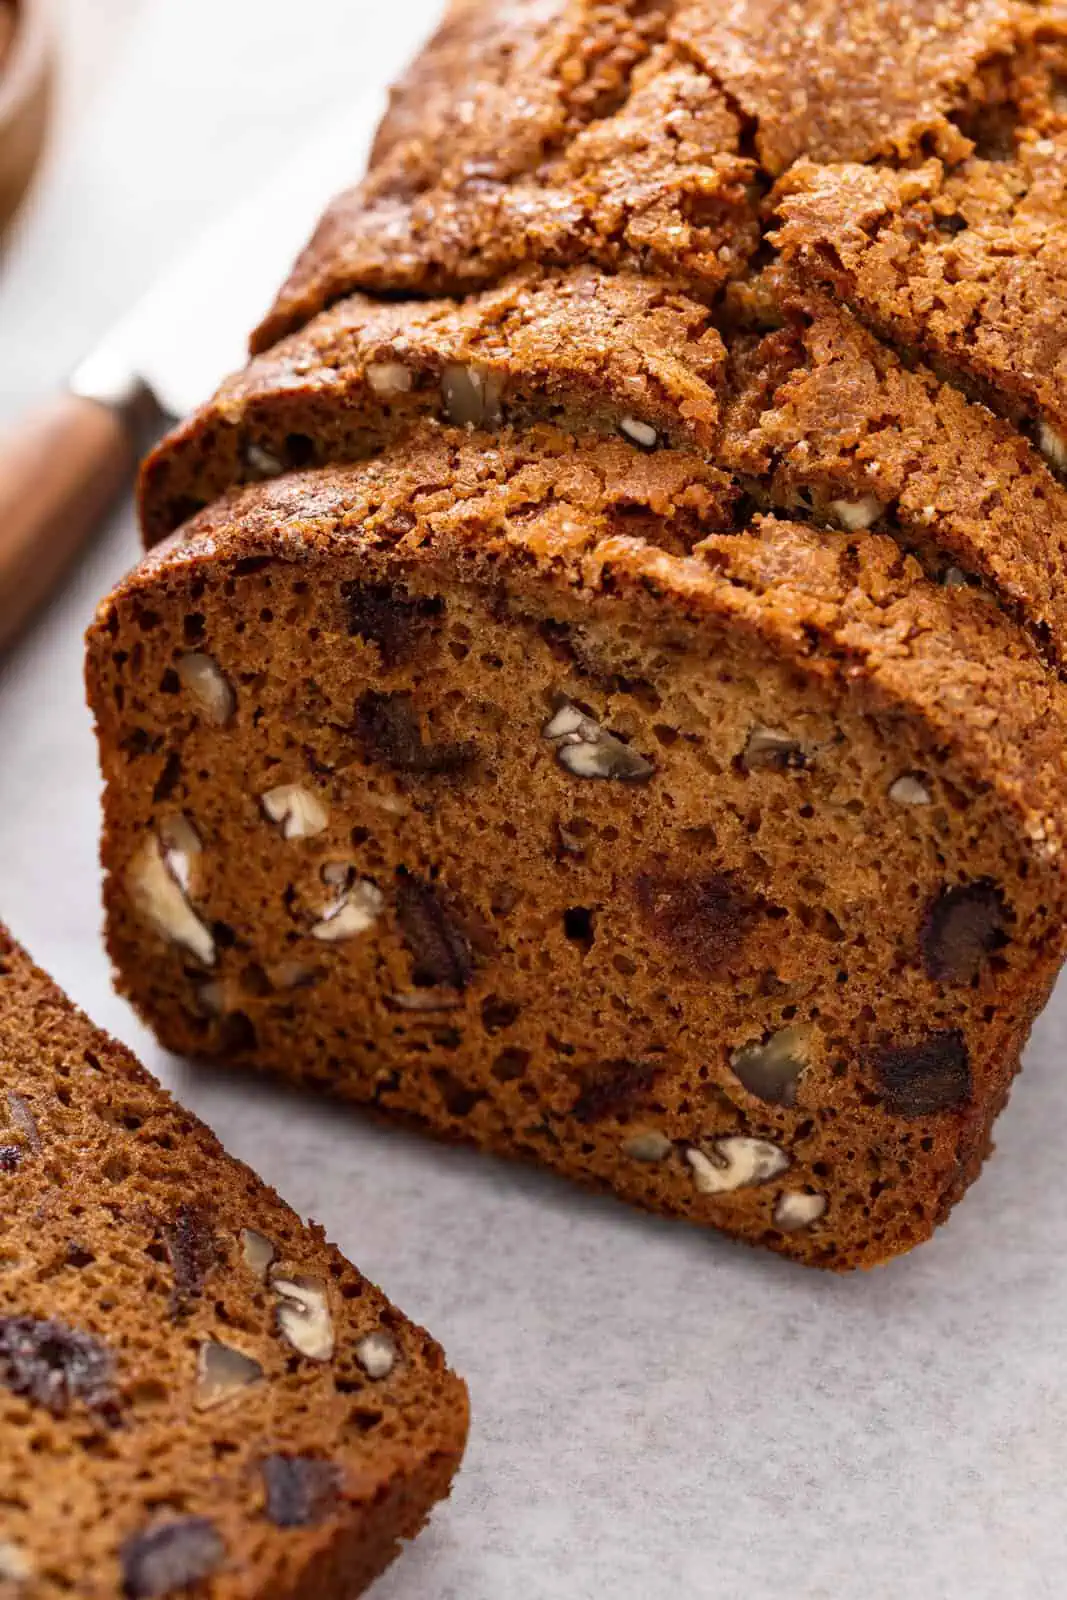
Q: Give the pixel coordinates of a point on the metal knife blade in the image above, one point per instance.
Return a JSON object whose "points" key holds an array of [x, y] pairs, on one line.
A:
{"points": [[191, 328]]}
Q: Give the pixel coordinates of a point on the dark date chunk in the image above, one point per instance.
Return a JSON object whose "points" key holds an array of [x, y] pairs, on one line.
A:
{"points": [[389, 730], [933, 1075], [10, 1157], [194, 1253], [706, 919], [169, 1558], [613, 1089], [962, 926], [56, 1366], [300, 1489], [395, 622], [441, 950]]}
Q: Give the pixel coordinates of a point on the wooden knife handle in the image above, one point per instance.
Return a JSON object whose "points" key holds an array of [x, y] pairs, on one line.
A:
{"points": [[61, 468]]}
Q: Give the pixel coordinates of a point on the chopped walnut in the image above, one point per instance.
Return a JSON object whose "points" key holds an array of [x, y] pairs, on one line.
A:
{"points": [[304, 1315], [201, 676], [910, 790], [733, 1163], [222, 1373], [158, 896], [264, 463], [377, 1355], [472, 397], [587, 750], [258, 1252], [640, 432], [771, 1068], [356, 909], [796, 1209], [774, 750], [648, 1146], [855, 515], [1053, 445], [299, 813], [389, 378]]}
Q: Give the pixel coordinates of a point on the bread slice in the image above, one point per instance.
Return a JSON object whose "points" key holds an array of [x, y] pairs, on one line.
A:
{"points": [[825, 422], [620, 354], [729, 880], [967, 265], [640, 134], [198, 1395], [816, 419]]}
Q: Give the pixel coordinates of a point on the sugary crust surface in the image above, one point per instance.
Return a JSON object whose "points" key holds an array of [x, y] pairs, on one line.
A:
{"points": [[431, 608], [815, 420], [968, 265], [637, 132], [123, 1245], [595, 350], [824, 420]]}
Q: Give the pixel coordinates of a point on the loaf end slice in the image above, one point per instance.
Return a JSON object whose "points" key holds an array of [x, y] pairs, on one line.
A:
{"points": [[728, 877], [198, 1395]]}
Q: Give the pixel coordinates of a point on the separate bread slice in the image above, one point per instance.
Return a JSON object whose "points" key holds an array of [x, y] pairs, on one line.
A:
{"points": [[198, 1395], [624, 355], [729, 880], [967, 265], [817, 419]]}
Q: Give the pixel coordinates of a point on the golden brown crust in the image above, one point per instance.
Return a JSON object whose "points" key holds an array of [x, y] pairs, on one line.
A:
{"points": [[122, 1229], [967, 265], [635, 132], [452, 593], [594, 351]]}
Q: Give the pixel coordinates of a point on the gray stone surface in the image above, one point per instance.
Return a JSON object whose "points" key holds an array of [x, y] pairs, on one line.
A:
{"points": [[657, 1413]]}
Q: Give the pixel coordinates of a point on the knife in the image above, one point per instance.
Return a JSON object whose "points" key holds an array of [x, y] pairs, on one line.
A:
{"points": [[63, 467]]}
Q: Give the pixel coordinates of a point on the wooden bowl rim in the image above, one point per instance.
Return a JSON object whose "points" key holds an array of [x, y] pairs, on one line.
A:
{"points": [[22, 77]]}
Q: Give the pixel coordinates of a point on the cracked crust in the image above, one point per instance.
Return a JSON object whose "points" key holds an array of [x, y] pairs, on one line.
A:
{"points": [[596, 351], [647, 931], [124, 1220], [637, 132], [967, 265]]}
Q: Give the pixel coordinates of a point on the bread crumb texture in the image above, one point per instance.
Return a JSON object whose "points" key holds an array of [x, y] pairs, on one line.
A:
{"points": [[597, 689], [194, 1392]]}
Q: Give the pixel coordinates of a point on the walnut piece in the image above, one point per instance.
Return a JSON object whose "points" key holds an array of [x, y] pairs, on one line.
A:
{"points": [[1053, 445], [15, 1564], [258, 1252], [796, 1209], [377, 1354], [159, 898], [910, 790], [772, 749], [263, 462], [587, 750], [771, 1068], [389, 378], [737, 1162], [299, 813], [855, 515], [304, 1315], [356, 909], [648, 1146], [181, 847], [202, 677], [640, 432], [222, 1373], [472, 397]]}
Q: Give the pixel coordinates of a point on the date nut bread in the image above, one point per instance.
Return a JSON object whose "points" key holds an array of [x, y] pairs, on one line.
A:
{"points": [[198, 1396], [598, 692], [723, 873]]}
